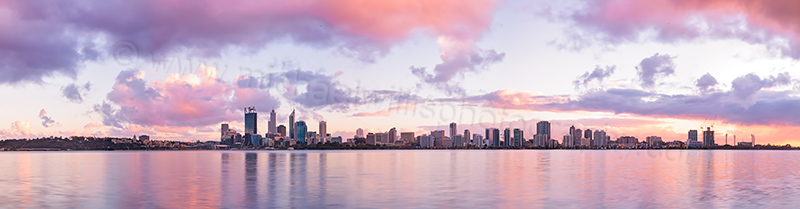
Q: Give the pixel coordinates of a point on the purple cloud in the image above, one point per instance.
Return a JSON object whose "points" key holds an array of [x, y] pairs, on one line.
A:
{"points": [[654, 67], [598, 74]]}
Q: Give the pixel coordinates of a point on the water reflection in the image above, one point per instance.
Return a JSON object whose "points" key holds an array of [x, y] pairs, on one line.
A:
{"points": [[380, 179]]}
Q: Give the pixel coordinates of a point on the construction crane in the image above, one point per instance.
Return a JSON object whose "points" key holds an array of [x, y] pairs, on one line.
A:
{"points": [[714, 121]]}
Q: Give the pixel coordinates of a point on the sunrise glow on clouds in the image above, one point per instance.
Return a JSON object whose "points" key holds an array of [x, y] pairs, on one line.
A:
{"points": [[621, 65]]}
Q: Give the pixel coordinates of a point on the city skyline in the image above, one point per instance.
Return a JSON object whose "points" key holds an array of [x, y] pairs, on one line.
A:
{"points": [[623, 67]]}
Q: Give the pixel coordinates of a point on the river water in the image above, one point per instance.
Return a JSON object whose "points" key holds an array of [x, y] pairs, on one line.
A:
{"points": [[406, 179]]}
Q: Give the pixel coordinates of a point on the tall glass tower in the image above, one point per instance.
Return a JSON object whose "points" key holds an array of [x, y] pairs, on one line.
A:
{"points": [[250, 121], [301, 131]]}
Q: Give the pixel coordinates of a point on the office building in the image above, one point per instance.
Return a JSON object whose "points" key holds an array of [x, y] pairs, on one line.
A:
{"points": [[541, 140], [323, 131], [587, 138], [292, 126], [282, 130], [577, 137], [273, 123], [224, 130], [543, 127], [426, 141], [453, 130], [302, 132], [250, 121], [495, 139], [467, 136], [692, 135], [438, 137], [371, 139], [600, 139], [519, 139], [478, 140], [458, 140], [407, 136], [567, 142], [507, 138]]}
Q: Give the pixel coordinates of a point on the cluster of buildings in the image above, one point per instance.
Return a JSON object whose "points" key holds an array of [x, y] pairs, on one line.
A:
{"points": [[298, 132], [276, 135]]}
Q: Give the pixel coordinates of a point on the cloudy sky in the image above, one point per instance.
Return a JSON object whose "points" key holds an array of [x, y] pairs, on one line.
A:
{"points": [[177, 69]]}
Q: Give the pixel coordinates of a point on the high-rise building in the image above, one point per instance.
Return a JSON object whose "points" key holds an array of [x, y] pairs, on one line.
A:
{"points": [[453, 129], [392, 135], [600, 138], [282, 130], [323, 131], [458, 140], [359, 133], [292, 126], [467, 136], [426, 141], [495, 137], [519, 139], [273, 122], [577, 136], [407, 136], [371, 139], [438, 137], [224, 130], [567, 142], [541, 140], [543, 127], [477, 140], [708, 137], [507, 138], [587, 138], [302, 132], [250, 121], [692, 135]]}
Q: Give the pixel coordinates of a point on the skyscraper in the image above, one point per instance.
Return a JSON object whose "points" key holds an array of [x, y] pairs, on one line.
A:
{"points": [[453, 130], [467, 136], [507, 138], [708, 137], [250, 121], [323, 131], [292, 126], [301, 132], [273, 123], [519, 138], [223, 130], [543, 127], [577, 135], [587, 138], [600, 138], [495, 137], [392, 135]]}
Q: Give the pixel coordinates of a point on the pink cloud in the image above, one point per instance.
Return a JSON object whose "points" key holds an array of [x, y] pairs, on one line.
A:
{"points": [[759, 22], [177, 104]]}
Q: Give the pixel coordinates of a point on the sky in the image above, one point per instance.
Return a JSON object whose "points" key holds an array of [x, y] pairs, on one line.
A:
{"points": [[177, 69]]}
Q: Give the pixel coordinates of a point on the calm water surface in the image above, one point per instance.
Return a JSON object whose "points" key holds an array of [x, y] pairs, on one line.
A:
{"points": [[418, 179]]}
